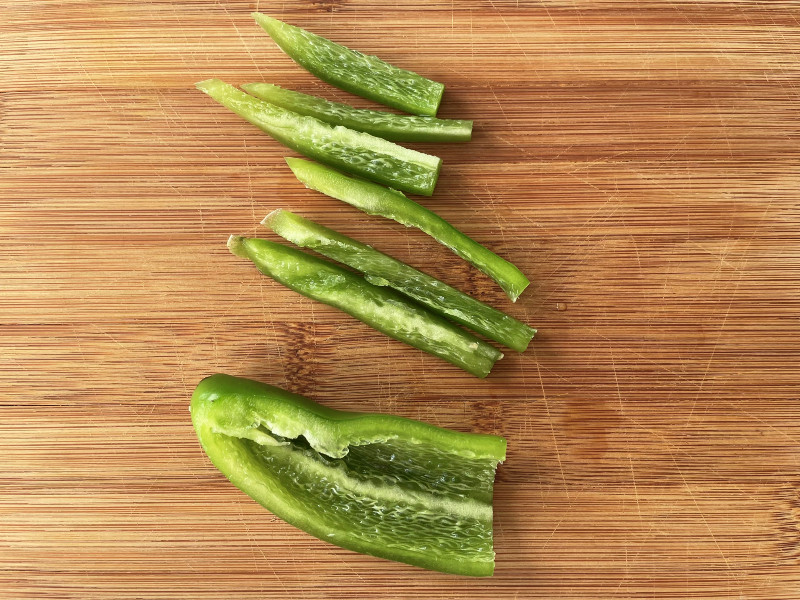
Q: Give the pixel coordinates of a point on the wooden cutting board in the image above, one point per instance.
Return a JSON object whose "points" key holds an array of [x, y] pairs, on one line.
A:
{"points": [[638, 160]]}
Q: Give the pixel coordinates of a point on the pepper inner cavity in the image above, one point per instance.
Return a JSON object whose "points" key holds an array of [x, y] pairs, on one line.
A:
{"points": [[411, 496], [417, 467]]}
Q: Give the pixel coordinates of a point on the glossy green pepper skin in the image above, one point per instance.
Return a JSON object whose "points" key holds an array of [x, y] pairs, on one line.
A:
{"points": [[354, 72], [378, 484]]}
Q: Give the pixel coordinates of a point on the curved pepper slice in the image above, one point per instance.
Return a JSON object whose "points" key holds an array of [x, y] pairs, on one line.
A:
{"points": [[381, 269], [389, 126], [382, 308], [354, 72], [374, 199], [378, 484], [356, 152]]}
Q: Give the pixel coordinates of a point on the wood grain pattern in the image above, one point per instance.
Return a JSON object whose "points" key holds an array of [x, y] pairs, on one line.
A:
{"points": [[638, 160]]}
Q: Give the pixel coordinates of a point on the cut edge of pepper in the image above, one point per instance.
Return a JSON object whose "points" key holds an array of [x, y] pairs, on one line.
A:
{"points": [[484, 446]]}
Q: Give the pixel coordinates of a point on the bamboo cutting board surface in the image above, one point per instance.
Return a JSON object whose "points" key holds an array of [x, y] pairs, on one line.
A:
{"points": [[638, 160]]}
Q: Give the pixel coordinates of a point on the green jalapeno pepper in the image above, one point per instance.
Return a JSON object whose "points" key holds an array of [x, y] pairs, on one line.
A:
{"points": [[382, 308], [378, 484], [374, 199], [389, 126], [381, 269], [356, 152], [352, 71]]}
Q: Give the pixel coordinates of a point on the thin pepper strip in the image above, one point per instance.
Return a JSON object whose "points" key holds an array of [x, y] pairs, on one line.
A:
{"points": [[354, 72], [389, 126], [377, 200], [381, 269], [353, 151], [382, 308], [374, 483]]}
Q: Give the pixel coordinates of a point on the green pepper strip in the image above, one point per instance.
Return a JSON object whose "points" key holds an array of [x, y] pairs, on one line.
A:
{"points": [[377, 200], [353, 151], [389, 126], [379, 484], [381, 269], [381, 308], [354, 72]]}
